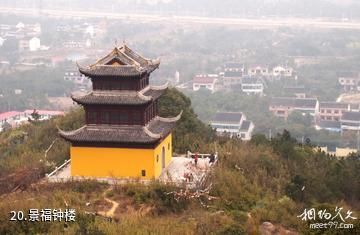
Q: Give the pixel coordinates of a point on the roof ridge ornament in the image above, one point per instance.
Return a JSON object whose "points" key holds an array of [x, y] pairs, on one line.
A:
{"points": [[67, 133], [137, 64], [151, 134], [72, 96], [172, 119], [79, 65], [160, 87], [144, 97]]}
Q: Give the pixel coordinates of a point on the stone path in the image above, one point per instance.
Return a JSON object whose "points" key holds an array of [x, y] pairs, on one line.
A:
{"points": [[115, 205]]}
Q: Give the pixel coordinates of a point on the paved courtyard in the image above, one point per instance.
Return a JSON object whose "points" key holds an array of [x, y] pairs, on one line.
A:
{"points": [[182, 171]]}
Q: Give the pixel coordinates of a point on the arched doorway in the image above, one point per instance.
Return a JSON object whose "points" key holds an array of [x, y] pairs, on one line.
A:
{"points": [[163, 157]]}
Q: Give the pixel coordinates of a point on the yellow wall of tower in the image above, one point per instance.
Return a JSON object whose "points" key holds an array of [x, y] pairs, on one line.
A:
{"points": [[120, 162], [167, 145]]}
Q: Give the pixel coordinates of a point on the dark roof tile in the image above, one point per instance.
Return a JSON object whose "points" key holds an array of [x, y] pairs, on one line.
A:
{"points": [[156, 130], [294, 89], [351, 116], [329, 124], [112, 98], [119, 97], [233, 74], [228, 117], [282, 101], [245, 125], [333, 105], [294, 102], [120, 62], [305, 103]]}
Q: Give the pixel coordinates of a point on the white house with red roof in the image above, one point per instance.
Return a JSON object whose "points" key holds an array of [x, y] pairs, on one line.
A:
{"points": [[10, 117], [43, 114], [15, 118], [205, 81]]}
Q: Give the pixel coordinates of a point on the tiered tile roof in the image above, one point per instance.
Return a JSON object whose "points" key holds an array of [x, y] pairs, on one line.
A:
{"points": [[120, 62], [136, 134]]}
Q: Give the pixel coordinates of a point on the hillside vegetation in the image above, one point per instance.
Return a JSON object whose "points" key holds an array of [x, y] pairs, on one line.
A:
{"points": [[253, 182]]}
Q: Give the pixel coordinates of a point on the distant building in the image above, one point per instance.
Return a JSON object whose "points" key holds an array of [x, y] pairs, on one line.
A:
{"points": [[306, 105], [88, 43], [332, 111], [36, 28], [354, 107], [337, 152], [349, 81], [280, 71], [233, 73], [344, 152], [20, 26], [350, 121], [23, 44], [283, 106], [9, 117], [246, 130], [2, 40], [233, 124], [74, 44], [258, 70], [234, 67], [15, 118], [43, 114], [18, 91], [31, 44], [5, 28], [205, 81], [334, 126], [90, 30], [75, 76], [34, 44], [253, 86]]}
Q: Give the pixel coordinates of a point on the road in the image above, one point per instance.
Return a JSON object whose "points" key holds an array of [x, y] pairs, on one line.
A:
{"points": [[154, 18]]}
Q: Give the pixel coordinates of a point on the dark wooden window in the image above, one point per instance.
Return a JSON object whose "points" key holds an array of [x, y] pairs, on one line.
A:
{"points": [[106, 86], [152, 110], [124, 117], [92, 117], [143, 172], [136, 117], [117, 86], [114, 117], [125, 86], [143, 82], [97, 85], [105, 117], [156, 108]]}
